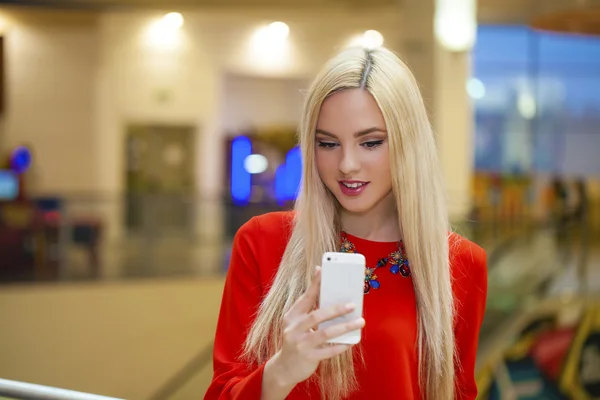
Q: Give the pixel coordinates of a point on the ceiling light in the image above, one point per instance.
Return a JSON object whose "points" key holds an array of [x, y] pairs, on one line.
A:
{"points": [[455, 24], [279, 29], [173, 20], [475, 88], [372, 39]]}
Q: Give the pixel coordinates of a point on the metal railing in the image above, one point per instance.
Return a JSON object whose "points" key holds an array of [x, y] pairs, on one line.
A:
{"points": [[28, 391], [202, 359]]}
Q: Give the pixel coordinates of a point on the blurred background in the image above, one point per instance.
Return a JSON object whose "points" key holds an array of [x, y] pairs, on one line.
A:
{"points": [[137, 136]]}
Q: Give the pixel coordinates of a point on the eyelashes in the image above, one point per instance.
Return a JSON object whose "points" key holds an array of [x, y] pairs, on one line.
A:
{"points": [[370, 145], [326, 145]]}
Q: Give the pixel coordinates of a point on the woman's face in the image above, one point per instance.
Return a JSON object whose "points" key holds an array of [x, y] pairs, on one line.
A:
{"points": [[352, 151]]}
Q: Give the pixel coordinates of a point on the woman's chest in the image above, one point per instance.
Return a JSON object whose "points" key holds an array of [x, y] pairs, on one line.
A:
{"points": [[390, 314]]}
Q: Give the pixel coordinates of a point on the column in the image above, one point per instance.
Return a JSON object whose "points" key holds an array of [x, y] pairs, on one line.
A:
{"points": [[443, 75]]}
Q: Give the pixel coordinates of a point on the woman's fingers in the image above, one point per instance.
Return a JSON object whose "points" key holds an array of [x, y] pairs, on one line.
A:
{"points": [[314, 318], [317, 338], [308, 299], [326, 352]]}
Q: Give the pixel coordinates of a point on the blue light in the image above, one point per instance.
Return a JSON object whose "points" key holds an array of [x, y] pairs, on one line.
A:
{"points": [[288, 176], [20, 160], [293, 162], [9, 185], [280, 184], [241, 180]]}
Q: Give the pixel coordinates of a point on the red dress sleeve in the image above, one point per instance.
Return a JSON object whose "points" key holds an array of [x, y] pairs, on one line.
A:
{"points": [[471, 294], [233, 379]]}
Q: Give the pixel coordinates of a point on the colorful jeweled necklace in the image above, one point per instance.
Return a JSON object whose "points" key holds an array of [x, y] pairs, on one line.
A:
{"points": [[397, 260]]}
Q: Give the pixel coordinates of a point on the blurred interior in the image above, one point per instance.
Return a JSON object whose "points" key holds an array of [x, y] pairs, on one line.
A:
{"points": [[136, 137]]}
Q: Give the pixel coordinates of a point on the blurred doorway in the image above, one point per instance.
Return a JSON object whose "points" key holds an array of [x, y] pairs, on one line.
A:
{"points": [[160, 180]]}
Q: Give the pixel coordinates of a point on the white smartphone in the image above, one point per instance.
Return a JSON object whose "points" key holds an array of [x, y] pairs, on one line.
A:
{"points": [[342, 281]]}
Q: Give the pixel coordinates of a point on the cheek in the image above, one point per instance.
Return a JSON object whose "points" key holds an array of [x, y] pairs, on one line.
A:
{"points": [[378, 163], [324, 164], [386, 170]]}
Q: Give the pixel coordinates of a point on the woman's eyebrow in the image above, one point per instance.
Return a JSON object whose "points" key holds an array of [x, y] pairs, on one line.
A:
{"points": [[356, 134]]}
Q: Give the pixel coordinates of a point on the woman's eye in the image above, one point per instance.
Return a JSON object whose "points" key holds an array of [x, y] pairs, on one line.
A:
{"points": [[372, 144], [327, 145]]}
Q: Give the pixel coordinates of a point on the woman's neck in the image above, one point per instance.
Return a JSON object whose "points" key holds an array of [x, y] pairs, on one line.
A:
{"points": [[379, 224]]}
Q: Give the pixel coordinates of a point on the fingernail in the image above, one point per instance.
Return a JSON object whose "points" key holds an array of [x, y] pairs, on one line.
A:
{"points": [[358, 323], [350, 306]]}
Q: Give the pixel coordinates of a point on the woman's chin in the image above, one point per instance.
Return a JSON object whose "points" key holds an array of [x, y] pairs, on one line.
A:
{"points": [[355, 206]]}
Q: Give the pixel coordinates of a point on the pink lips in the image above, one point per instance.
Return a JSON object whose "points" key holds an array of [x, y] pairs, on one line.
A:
{"points": [[352, 191]]}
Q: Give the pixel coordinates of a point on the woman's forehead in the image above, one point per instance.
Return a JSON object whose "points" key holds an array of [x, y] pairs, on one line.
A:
{"points": [[353, 109]]}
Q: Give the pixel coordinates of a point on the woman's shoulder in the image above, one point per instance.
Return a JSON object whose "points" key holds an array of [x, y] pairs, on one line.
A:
{"points": [[269, 226], [463, 250], [263, 240], [468, 261], [267, 235]]}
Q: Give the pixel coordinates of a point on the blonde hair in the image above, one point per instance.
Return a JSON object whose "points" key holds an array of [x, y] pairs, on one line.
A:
{"points": [[420, 199]]}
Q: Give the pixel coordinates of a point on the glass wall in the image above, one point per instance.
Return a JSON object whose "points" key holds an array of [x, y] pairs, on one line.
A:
{"points": [[537, 100], [537, 108]]}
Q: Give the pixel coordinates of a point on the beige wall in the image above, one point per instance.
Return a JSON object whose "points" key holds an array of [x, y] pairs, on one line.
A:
{"points": [[73, 87], [119, 339], [454, 125], [251, 101], [50, 74], [213, 45]]}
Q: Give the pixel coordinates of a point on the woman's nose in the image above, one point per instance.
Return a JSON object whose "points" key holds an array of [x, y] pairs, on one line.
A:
{"points": [[349, 163]]}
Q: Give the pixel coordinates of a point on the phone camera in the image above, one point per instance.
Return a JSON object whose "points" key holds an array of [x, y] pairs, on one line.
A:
{"points": [[328, 258]]}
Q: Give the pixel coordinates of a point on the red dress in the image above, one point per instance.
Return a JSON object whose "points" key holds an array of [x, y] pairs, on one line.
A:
{"points": [[389, 339]]}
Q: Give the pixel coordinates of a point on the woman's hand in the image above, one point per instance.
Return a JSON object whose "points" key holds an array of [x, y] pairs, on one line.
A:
{"points": [[303, 346]]}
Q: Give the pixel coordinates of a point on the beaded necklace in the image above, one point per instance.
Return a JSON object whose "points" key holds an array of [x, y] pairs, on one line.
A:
{"points": [[397, 260]]}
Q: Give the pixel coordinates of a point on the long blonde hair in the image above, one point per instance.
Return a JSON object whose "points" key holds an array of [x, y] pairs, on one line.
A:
{"points": [[420, 199]]}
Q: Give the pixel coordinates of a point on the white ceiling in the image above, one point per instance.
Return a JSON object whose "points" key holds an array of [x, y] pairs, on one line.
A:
{"points": [[144, 4], [490, 11]]}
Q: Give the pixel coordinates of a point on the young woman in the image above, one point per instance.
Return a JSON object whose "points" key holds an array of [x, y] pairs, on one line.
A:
{"points": [[372, 185]]}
